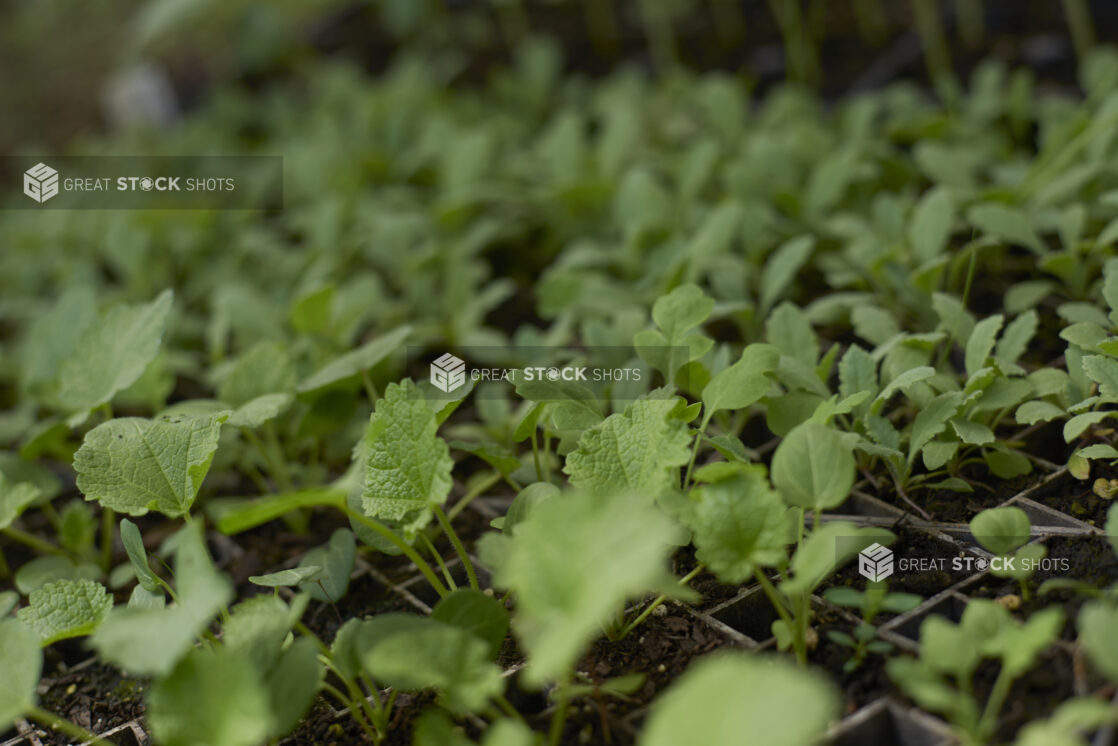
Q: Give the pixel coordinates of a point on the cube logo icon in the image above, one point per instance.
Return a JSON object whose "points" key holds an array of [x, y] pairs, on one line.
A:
{"points": [[448, 373], [40, 182], [875, 562]]}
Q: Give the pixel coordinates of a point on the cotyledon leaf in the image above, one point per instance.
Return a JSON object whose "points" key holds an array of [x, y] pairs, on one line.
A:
{"points": [[134, 465], [407, 465]]}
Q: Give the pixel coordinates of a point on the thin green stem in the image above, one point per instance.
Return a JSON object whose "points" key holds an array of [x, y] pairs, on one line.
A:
{"points": [[108, 525], [434, 552], [694, 452], [659, 600], [39, 545], [778, 604], [477, 490], [55, 722], [536, 457], [507, 708], [555, 732], [461, 550], [370, 389], [400, 544], [989, 719]]}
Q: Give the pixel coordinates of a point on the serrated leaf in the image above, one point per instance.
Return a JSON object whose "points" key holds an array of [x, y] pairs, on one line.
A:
{"points": [[902, 382], [14, 499], [981, 342], [354, 362], [640, 449], [974, 433], [767, 697], [1007, 224], [931, 224], [1104, 371], [113, 354], [813, 468], [134, 465], [931, 421], [857, 372], [572, 564], [22, 663], [737, 520], [1032, 412], [407, 465], [66, 608], [781, 267]]}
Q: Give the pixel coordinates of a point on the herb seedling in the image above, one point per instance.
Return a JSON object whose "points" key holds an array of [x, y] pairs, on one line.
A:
{"points": [[870, 602]]}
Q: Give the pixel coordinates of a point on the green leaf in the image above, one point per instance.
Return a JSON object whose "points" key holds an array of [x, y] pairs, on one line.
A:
{"points": [[66, 608], [356, 361], [134, 465], [902, 382], [1075, 427], [407, 465], [210, 698], [781, 267], [827, 549], [813, 468], [113, 354], [742, 383], [932, 420], [1104, 370], [973, 433], [483, 616], [1032, 412], [1017, 336], [22, 663], [48, 568], [1001, 530], [150, 641], [640, 449], [417, 652], [931, 224], [674, 345], [789, 330], [1007, 224], [681, 310], [723, 696], [857, 372], [9, 600], [265, 368], [137, 555], [14, 499], [287, 578], [292, 685], [981, 342], [738, 521], [525, 501], [1112, 526], [1098, 628], [572, 565], [256, 412], [336, 560]]}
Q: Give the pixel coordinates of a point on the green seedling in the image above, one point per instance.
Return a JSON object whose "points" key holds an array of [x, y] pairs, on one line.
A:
{"points": [[1004, 532], [869, 603], [941, 679]]}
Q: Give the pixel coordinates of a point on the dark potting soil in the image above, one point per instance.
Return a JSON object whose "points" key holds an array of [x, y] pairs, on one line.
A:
{"points": [[860, 686], [949, 506], [1076, 498], [98, 697]]}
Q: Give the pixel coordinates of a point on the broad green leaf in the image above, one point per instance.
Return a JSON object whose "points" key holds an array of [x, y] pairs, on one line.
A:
{"points": [[1015, 340], [673, 344], [66, 608], [902, 382], [38, 572], [22, 663], [426, 653], [681, 310], [1104, 370], [77, 528], [873, 324], [1068, 724], [781, 267], [1098, 628], [813, 468], [1007, 224], [931, 421], [137, 555], [265, 368], [1032, 412], [572, 565], [640, 449], [292, 685], [788, 329], [827, 549], [525, 501], [931, 224], [113, 354], [150, 641], [974, 433], [256, 412], [726, 697], [258, 626], [134, 465], [52, 337], [407, 465], [857, 372], [742, 383], [1005, 462], [14, 499], [1001, 530], [953, 315], [287, 578], [981, 342], [356, 361], [336, 560], [738, 521], [483, 616], [1075, 426], [211, 697], [9, 600]]}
